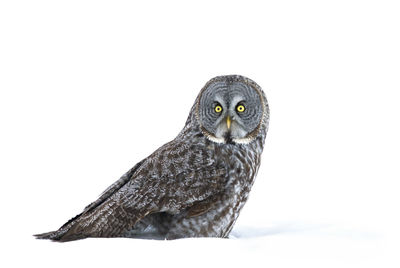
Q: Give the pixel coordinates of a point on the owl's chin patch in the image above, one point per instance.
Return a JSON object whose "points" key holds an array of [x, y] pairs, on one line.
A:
{"points": [[227, 139], [213, 138]]}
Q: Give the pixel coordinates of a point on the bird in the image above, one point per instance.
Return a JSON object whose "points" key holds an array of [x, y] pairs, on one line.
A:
{"points": [[192, 186]]}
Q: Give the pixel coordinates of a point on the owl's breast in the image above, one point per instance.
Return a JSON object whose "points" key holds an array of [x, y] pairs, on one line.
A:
{"points": [[216, 215], [242, 164]]}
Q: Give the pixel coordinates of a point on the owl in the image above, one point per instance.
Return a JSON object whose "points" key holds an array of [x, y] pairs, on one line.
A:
{"points": [[194, 185]]}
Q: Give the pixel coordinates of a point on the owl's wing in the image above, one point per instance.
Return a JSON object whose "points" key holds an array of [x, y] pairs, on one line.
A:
{"points": [[143, 191]]}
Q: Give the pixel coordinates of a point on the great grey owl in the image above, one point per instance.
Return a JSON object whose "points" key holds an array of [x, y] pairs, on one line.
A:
{"points": [[193, 186]]}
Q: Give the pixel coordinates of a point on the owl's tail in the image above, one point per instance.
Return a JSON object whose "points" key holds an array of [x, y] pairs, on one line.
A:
{"points": [[61, 235], [55, 235]]}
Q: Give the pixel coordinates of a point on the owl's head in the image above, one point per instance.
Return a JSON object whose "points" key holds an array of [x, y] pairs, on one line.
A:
{"points": [[231, 109]]}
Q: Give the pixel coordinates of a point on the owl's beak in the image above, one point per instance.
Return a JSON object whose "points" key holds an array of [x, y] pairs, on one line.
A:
{"points": [[228, 122]]}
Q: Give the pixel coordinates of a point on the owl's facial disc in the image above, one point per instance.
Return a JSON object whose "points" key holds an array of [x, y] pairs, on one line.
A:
{"points": [[230, 112], [230, 127]]}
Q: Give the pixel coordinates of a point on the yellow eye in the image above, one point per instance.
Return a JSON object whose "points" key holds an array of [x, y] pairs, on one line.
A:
{"points": [[218, 108], [240, 108]]}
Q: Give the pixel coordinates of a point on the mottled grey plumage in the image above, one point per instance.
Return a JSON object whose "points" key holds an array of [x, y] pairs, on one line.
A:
{"points": [[193, 186]]}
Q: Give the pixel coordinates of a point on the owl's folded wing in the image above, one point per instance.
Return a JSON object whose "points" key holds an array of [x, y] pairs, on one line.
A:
{"points": [[136, 195]]}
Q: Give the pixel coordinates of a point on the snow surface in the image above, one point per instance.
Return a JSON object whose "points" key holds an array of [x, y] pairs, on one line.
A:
{"points": [[89, 88], [280, 245]]}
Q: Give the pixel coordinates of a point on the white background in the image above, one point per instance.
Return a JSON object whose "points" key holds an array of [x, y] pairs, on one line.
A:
{"points": [[89, 88]]}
